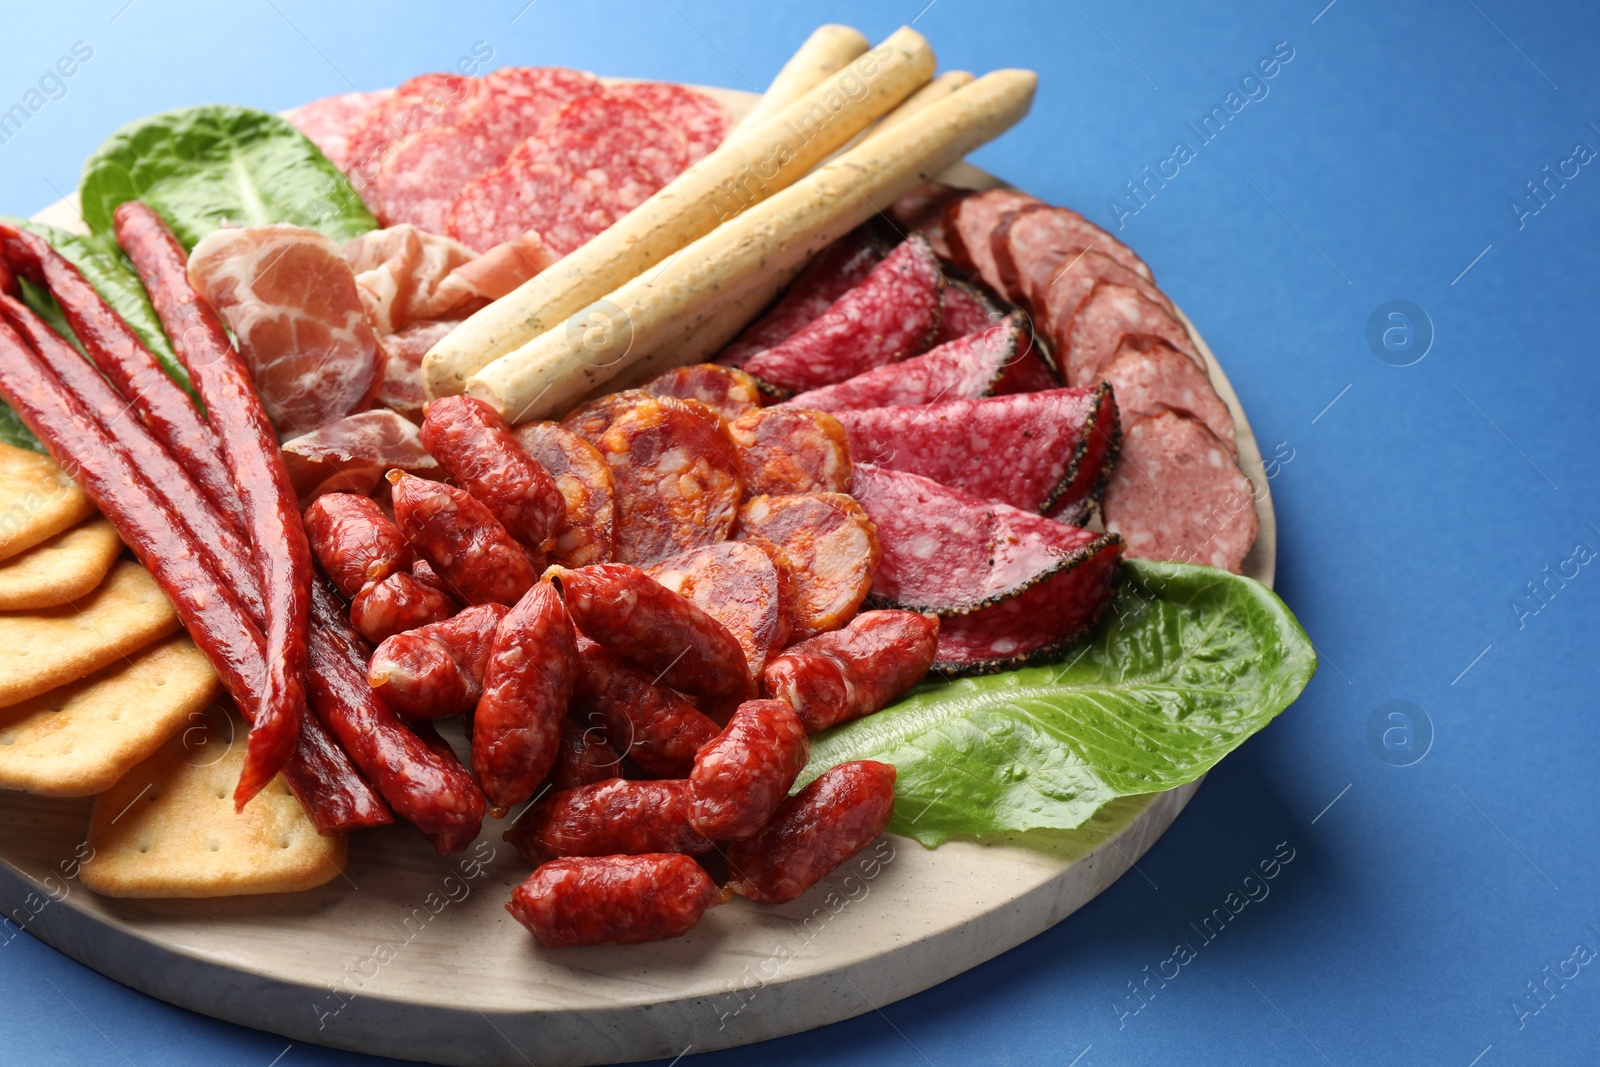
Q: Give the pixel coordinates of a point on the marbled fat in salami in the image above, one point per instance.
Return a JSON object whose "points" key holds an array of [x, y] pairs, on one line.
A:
{"points": [[1111, 313], [966, 368], [703, 121], [589, 531], [1151, 376], [831, 273], [566, 208], [969, 223], [625, 148], [728, 391], [425, 102], [329, 121], [1030, 246]]}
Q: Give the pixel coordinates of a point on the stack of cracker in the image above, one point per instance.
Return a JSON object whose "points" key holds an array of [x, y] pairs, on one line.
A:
{"points": [[102, 694]]}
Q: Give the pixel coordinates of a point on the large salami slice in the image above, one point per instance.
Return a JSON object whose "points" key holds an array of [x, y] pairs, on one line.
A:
{"points": [[1111, 313], [831, 273], [890, 316], [736, 584], [1055, 445], [1030, 246], [703, 121], [565, 207], [967, 310], [624, 147], [424, 102], [791, 450], [1009, 586], [1178, 495], [963, 369], [1151, 376], [329, 121], [971, 221], [588, 534], [591, 420], [831, 549], [1072, 283]]}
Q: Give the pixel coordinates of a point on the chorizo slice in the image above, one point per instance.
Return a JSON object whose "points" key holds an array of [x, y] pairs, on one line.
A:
{"points": [[462, 540], [437, 670], [742, 775], [474, 444], [728, 391], [738, 585], [591, 420], [832, 545], [845, 674], [613, 900], [791, 450], [588, 531], [650, 724], [614, 817]]}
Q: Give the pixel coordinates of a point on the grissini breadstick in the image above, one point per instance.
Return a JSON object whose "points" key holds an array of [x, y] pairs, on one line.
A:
{"points": [[743, 171], [549, 373], [925, 97], [825, 52]]}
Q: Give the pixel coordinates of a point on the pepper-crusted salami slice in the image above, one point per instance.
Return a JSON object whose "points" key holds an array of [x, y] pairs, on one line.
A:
{"points": [[564, 206], [437, 670], [398, 603], [741, 776], [1111, 313], [891, 315], [843, 675], [738, 585], [704, 122], [966, 311], [966, 368], [1030, 246], [591, 420], [969, 223], [474, 444], [639, 619], [585, 756], [648, 723], [610, 818], [588, 531], [354, 541], [677, 478], [1072, 283], [1177, 494], [831, 273], [585, 135], [462, 540], [791, 450], [516, 729], [426, 101], [832, 545], [813, 832], [1151, 376], [728, 391], [1057, 444], [613, 900]]}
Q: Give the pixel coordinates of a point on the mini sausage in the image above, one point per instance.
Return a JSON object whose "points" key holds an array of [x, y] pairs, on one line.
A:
{"points": [[474, 444], [845, 674], [398, 603], [354, 541], [742, 775], [585, 756], [613, 817], [613, 900], [437, 670], [653, 726], [462, 540]]}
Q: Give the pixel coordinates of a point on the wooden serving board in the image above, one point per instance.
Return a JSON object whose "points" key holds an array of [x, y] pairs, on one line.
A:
{"points": [[413, 956]]}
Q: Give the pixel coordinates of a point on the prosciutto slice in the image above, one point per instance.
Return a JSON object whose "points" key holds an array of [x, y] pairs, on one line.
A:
{"points": [[399, 272], [351, 455]]}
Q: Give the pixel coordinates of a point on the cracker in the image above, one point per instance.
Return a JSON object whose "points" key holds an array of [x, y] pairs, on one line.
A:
{"points": [[168, 828], [40, 650], [77, 741], [37, 500], [68, 566]]}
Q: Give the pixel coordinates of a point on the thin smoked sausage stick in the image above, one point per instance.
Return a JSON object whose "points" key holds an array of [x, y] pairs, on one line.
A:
{"points": [[249, 448], [117, 350]]}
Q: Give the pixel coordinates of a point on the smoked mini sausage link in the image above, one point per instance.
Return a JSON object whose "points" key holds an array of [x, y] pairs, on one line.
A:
{"points": [[462, 540], [613, 900], [585, 757], [650, 724], [742, 775], [527, 687], [473, 443], [637, 618], [398, 603], [845, 674], [437, 670], [814, 831], [615, 817], [354, 541]]}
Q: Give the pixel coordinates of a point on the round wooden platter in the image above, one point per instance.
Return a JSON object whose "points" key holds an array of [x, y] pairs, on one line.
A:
{"points": [[414, 956]]}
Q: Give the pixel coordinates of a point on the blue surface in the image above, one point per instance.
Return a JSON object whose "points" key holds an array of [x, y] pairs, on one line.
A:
{"points": [[1419, 501]]}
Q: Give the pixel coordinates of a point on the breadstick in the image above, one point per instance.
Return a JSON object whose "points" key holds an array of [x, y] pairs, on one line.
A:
{"points": [[825, 52]]}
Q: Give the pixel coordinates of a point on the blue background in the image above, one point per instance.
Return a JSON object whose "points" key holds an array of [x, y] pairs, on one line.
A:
{"points": [[1415, 504]]}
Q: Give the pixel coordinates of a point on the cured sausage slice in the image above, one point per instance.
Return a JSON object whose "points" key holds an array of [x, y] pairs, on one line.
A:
{"points": [[813, 832], [650, 724], [420, 103], [891, 315], [1177, 494], [968, 311], [1111, 313], [677, 478], [328, 122], [587, 533], [969, 223], [843, 675], [585, 135], [462, 540], [350, 456], [742, 775], [791, 450], [704, 122], [832, 546], [1151, 376], [922, 209], [965, 311], [614, 817], [966, 368], [1057, 444], [437, 670], [475, 445], [1031, 245], [613, 900], [738, 585], [591, 420], [1071, 285], [564, 206], [831, 273], [1008, 586], [728, 391]]}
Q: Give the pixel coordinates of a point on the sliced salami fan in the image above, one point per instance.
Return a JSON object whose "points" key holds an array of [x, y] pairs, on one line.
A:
{"points": [[891, 315], [677, 478], [726, 390], [965, 311], [964, 369], [588, 534], [1177, 494], [1034, 451], [565, 207], [1031, 245], [738, 585], [791, 450], [1111, 313], [703, 121], [1151, 376], [1009, 586], [1072, 283], [831, 546], [968, 225], [622, 147], [329, 122], [831, 273], [922, 211], [425, 102], [1030, 372]]}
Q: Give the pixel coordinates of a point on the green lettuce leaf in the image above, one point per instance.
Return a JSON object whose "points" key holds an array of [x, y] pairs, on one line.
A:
{"points": [[1188, 662], [218, 164]]}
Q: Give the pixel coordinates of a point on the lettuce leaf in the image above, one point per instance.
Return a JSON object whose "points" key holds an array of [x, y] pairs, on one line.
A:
{"points": [[218, 164], [1188, 663]]}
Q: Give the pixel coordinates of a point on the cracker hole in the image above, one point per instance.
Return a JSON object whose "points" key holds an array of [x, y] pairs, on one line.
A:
{"points": [[222, 792], [153, 796], [116, 716], [214, 845], [144, 847], [285, 843]]}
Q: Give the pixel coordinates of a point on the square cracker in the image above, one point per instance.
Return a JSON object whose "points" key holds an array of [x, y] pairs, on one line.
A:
{"points": [[77, 741], [168, 828], [37, 500], [40, 650], [68, 566]]}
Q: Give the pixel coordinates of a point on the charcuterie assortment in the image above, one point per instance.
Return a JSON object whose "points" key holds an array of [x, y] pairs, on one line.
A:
{"points": [[589, 466]]}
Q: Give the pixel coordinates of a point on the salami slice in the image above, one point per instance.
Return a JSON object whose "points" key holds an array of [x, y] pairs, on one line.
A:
{"points": [[1009, 586], [1030, 372], [1031, 245], [832, 547], [566, 207], [1071, 285], [736, 584], [1177, 494], [922, 210], [791, 450], [831, 273], [726, 390], [623, 147], [966, 310], [704, 122], [1151, 376], [1055, 444], [1111, 313], [424, 102], [964, 369], [590, 421], [588, 534], [968, 225], [677, 478], [328, 122], [891, 315]]}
